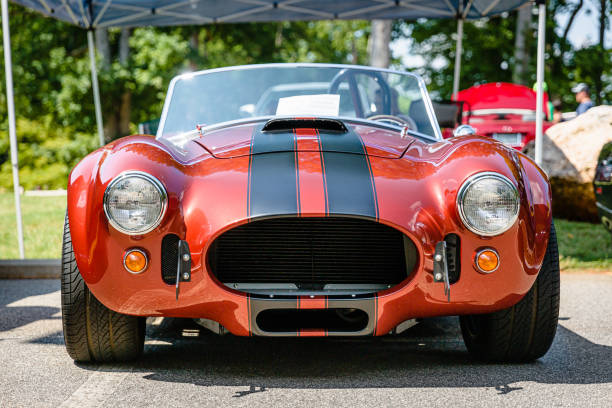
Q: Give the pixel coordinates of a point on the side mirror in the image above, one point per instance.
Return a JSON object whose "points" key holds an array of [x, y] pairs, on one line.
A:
{"points": [[464, 130]]}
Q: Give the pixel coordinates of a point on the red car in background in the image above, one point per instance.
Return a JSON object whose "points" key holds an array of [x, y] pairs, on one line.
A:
{"points": [[503, 111]]}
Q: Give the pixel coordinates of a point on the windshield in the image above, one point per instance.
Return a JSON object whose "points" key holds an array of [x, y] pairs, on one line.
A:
{"points": [[212, 97]]}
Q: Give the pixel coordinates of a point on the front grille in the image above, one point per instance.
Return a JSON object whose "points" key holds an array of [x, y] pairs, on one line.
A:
{"points": [[312, 253]]}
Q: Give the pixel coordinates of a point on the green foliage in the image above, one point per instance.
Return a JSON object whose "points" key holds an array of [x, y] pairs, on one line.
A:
{"points": [[46, 151], [593, 65]]}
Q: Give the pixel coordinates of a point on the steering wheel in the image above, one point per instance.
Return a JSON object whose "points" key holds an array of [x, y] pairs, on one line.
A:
{"points": [[348, 74], [396, 120]]}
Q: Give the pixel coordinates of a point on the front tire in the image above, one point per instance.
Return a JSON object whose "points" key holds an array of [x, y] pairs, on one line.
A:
{"points": [[525, 331], [93, 332]]}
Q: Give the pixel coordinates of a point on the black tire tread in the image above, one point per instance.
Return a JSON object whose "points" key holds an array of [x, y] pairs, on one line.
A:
{"points": [[525, 331], [93, 332]]}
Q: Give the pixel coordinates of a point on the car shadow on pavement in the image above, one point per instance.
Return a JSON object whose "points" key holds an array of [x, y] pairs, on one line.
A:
{"points": [[431, 354], [20, 304]]}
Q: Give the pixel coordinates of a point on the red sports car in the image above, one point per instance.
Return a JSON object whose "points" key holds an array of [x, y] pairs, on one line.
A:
{"points": [[339, 212], [503, 111]]}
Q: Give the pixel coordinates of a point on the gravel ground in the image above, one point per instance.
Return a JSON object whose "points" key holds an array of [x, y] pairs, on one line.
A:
{"points": [[185, 366]]}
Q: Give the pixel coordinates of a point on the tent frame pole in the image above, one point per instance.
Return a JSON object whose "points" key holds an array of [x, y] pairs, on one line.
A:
{"points": [[458, 51], [540, 80], [94, 85], [8, 71]]}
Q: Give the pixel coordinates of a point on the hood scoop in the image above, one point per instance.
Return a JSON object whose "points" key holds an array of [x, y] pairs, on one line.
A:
{"points": [[288, 124]]}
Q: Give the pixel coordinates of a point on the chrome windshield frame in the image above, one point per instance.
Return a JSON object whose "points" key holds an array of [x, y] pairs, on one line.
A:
{"points": [[426, 99]]}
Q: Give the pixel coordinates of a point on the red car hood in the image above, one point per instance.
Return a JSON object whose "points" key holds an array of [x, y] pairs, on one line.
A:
{"points": [[499, 95], [237, 141]]}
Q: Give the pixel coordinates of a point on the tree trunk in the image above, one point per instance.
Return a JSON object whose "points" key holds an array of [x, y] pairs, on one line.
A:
{"points": [[194, 43], [521, 54], [278, 38], [602, 50], [108, 112], [125, 113], [125, 107], [103, 47], [124, 46], [570, 21], [602, 22], [378, 45]]}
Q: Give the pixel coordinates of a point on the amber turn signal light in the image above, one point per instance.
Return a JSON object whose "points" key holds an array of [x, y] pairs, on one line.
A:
{"points": [[487, 260], [135, 260]]}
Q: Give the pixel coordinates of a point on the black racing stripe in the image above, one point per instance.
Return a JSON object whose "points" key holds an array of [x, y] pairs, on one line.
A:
{"points": [[348, 176], [272, 174]]}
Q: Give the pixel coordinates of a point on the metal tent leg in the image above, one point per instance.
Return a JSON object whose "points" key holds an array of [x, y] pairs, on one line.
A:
{"points": [[458, 51], [8, 70], [94, 85], [540, 80]]}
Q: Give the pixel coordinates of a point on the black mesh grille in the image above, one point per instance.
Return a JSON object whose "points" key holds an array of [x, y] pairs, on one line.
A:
{"points": [[169, 258], [311, 252], [453, 257]]}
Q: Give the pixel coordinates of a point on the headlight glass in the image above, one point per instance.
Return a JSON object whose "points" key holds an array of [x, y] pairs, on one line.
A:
{"points": [[488, 204], [135, 202]]}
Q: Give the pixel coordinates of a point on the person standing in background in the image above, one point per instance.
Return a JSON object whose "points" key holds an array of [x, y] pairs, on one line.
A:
{"points": [[582, 97], [557, 115]]}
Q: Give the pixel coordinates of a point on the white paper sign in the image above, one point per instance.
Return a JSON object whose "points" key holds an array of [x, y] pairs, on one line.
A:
{"points": [[309, 105]]}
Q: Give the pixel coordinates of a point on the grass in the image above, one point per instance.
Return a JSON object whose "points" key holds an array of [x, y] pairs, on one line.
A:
{"points": [[43, 224], [581, 245]]}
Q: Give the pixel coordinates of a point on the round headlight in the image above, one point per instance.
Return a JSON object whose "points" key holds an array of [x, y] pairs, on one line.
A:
{"points": [[135, 202], [488, 204]]}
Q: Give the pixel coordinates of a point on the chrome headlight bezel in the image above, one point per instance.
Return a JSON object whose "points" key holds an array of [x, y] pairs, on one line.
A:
{"points": [[469, 183], [161, 190]]}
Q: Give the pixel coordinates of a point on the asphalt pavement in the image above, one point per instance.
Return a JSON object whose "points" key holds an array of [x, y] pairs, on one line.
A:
{"points": [[184, 365]]}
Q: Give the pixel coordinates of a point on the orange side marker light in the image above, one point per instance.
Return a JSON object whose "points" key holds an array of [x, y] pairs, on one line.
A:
{"points": [[135, 261], [487, 260]]}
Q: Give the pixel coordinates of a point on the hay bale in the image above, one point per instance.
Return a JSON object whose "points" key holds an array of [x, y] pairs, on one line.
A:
{"points": [[569, 157]]}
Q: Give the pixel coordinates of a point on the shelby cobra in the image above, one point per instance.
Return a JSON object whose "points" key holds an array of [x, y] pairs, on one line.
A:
{"points": [[341, 212]]}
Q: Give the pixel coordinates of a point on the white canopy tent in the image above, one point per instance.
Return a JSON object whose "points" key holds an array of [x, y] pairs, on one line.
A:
{"points": [[91, 14]]}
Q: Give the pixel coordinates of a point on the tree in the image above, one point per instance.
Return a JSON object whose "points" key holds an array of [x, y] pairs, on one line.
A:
{"points": [[378, 46]]}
